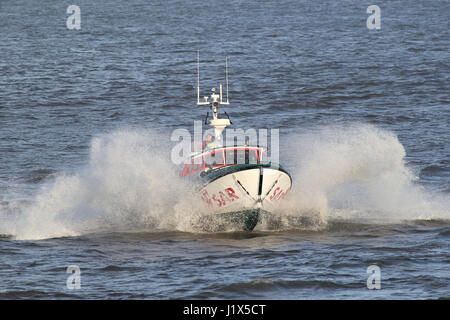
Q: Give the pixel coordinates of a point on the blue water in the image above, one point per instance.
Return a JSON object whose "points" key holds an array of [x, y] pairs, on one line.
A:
{"points": [[85, 171]]}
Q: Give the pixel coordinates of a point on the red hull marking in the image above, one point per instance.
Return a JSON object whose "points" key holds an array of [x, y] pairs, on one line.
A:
{"points": [[231, 194], [278, 194], [206, 199], [221, 199]]}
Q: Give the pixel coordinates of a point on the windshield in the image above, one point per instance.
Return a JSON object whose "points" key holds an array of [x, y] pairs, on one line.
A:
{"points": [[223, 157], [241, 156]]}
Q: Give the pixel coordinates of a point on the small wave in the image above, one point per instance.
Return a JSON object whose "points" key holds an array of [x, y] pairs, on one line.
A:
{"points": [[120, 268], [269, 285], [432, 169], [34, 294], [39, 175], [431, 222], [445, 233]]}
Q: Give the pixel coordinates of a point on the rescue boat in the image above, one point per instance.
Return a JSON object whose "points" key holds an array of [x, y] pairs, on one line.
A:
{"points": [[238, 184]]}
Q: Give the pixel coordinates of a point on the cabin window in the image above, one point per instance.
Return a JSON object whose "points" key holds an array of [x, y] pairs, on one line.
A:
{"points": [[241, 156], [231, 156], [250, 157], [263, 157], [214, 159]]}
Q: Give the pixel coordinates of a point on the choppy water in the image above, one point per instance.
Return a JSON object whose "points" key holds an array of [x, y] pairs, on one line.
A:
{"points": [[85, 121]]}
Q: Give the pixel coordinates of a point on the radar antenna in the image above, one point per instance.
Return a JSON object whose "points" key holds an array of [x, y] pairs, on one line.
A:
{"points": [[215, 101]]}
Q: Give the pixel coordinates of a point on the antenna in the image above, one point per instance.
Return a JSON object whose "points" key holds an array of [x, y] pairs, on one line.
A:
{"points": [[198, 76], [198, 82], [226, 77], [219, 124]]}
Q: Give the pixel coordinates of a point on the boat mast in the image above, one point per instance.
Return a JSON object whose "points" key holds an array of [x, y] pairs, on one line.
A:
{"points": [[219, 124]]}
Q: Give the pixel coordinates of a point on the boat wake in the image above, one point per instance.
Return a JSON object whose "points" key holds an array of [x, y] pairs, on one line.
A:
{"points": [[353, 173], [358, 173]]}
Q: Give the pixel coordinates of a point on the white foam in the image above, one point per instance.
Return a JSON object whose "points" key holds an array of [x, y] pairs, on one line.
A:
{"points": [[358, 172], [130, 184]]}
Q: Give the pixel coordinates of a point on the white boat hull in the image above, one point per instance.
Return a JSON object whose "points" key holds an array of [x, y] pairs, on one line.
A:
{"points": [[246, 192]]}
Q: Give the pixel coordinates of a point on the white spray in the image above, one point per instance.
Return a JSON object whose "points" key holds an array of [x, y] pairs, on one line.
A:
{"points": [[129, 184]]}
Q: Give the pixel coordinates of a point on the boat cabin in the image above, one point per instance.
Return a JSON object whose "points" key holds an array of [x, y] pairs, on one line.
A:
{"points": [[221, 157]]}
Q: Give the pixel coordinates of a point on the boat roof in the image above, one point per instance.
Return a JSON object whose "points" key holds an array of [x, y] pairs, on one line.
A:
{"points": [[225, 148]]}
